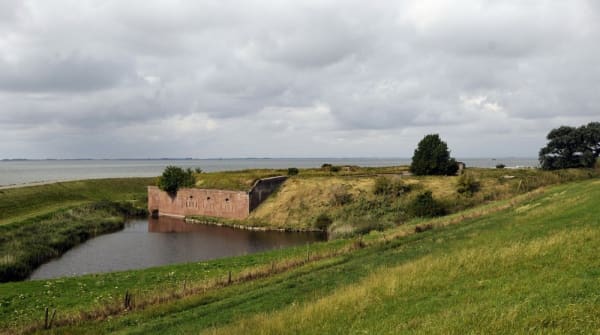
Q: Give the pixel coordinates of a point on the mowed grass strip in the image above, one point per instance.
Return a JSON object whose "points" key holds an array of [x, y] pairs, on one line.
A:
{"points": [[20, 203], [532, 268]]}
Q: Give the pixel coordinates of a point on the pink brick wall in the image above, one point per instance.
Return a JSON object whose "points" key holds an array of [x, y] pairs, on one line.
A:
{"points": [[195, 201]]}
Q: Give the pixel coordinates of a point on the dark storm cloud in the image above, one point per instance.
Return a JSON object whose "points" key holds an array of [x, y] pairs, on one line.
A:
{"points": [[342, 76]]}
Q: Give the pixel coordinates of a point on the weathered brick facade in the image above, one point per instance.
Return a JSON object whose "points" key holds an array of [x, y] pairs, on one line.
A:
{"points": [[207, 202], [195, 201]]}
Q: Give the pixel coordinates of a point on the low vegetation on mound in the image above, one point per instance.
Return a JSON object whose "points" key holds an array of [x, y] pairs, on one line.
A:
{"points": [[243, 180], [527, 264], [357, 204]]}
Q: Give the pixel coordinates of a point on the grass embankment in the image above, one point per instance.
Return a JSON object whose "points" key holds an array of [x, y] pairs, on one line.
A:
{"points": [[353, 206], [20, 203], [532, 269], [38, 223], [28, 244], [529, 266]]}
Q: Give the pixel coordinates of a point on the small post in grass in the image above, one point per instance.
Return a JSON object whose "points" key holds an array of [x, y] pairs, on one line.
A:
{"points": [[127, 300], [307, 252], [46, 319], [48, 322], [52, 319]]}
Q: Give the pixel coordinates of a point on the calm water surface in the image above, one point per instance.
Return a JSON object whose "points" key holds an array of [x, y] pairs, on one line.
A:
{"points": [[154, 242]]}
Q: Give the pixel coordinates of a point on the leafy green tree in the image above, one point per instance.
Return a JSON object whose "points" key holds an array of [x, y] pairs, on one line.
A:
{"points": [[432, 157], [173, 178], [571, 147]]}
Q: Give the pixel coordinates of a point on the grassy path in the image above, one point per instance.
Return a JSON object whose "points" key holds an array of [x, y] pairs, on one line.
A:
{"points": [[532, 268]]}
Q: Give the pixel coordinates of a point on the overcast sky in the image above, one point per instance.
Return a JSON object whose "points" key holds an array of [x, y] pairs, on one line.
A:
{"points": [[114, 79]]}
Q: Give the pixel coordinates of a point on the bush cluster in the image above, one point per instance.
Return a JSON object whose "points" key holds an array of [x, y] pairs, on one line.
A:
{"points": [[292, 171], [340, 196], [467, 185], [330, 168], [424, 205], [173, 178], [389, 187], [323, 221]]}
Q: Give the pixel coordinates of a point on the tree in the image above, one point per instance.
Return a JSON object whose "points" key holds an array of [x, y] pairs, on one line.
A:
{"points": [[173, 178], [432, 157], [571, 147]]}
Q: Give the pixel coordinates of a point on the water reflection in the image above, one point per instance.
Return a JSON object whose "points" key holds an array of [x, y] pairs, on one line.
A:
{"points": [[153, 242]]}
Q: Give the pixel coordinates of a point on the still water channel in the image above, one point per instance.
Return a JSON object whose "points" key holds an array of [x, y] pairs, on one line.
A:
{"points": [[153, 242]]}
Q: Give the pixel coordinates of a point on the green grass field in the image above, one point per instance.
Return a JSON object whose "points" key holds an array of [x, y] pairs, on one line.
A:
{"points": [[524, 265]]}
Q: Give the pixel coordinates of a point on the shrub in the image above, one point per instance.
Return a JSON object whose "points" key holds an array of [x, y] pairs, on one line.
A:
{"points": [[424, 205], [323, 221], [334, 168], [432, 157], [198, 170], [386, 186], [173, 178], [340, 196], [326, 166], [500, 166], [467, 184], [292, 171]]}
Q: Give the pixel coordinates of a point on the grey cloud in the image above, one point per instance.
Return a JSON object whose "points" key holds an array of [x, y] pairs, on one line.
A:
{"points": [[388, 70], [61, 73]]}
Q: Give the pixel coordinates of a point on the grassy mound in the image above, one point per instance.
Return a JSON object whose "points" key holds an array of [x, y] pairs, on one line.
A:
{"points": [[358, 204], [243, 180]]}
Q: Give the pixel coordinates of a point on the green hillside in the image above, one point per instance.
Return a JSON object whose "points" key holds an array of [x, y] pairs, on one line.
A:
{"points": [[525, 265], [20, 203]]}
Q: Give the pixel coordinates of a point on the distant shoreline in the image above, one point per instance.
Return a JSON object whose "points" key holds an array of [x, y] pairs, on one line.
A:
{"points": [[242, 158], [25, 172]]}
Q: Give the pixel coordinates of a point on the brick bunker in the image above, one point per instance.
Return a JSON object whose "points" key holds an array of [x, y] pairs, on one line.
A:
{"points": [[211, 202]]}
